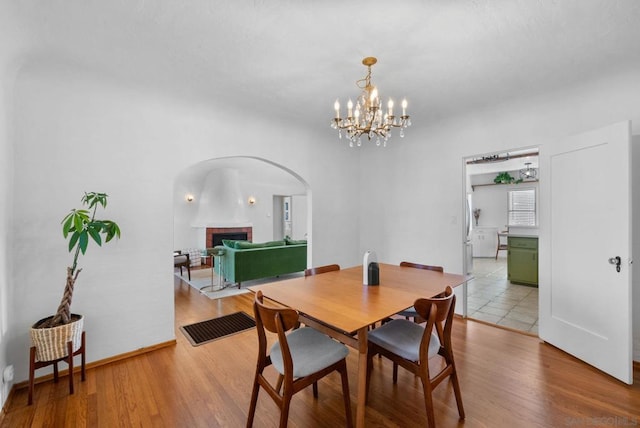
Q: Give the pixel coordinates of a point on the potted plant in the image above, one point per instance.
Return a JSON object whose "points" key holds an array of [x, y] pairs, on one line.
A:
{"points": [[50, 335], [506, 178]]}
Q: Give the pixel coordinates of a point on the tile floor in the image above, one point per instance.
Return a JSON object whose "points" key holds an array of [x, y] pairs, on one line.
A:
{"points": [[492, 298]]}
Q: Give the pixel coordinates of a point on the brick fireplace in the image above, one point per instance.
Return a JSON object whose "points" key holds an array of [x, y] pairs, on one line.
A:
{"points": [[211, 231]]}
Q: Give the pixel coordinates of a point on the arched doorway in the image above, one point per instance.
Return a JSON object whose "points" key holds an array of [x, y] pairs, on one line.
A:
{"points": [[240, 193]]}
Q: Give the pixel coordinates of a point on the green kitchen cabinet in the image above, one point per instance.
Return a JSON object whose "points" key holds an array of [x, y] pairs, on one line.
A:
{"points": [[522, 260]]}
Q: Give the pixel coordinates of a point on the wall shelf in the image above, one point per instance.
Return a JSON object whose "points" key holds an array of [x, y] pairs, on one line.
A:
{"points": [[473, 186]]}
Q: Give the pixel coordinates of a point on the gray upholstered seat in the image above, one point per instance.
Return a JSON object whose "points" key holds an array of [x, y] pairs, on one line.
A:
{"points": [[311, 351], [403, 338]]}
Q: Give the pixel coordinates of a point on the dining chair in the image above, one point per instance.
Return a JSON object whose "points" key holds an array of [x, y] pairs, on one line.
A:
{"points": [[411, 312], [182, 260], [502, 246], [411, 345], [321, 269], [301, 358]]}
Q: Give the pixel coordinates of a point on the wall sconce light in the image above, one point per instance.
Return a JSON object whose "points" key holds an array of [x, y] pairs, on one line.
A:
{"points": [[189, 197], [251, 200]]}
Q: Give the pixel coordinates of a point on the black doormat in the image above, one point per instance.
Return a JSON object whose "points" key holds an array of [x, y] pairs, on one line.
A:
{"points": [[217, 328]]}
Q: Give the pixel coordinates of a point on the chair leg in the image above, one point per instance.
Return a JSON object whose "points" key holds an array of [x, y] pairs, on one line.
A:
{"points": [[428, 402], [254, 402], [458, 394], [369, 371], [315, 389], [279, 383], [345, 393], [284, 411], [189, 272], [395, 373]]}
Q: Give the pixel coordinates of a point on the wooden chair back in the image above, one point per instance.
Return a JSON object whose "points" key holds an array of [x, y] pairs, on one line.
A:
{"points": [[281, 320], [438, 311], [438, 307], [321, 269], [420, 266], [502, 246], [274, 319]]}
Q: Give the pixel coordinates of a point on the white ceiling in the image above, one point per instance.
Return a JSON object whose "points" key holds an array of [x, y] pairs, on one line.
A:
{"points": [[291, 59]]}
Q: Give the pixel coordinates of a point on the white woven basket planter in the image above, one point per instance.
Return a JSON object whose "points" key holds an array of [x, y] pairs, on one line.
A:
{"points": [[51, 343]]}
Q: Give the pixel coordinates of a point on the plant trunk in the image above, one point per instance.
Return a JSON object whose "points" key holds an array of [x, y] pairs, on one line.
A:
{"points": [[63, 314]]}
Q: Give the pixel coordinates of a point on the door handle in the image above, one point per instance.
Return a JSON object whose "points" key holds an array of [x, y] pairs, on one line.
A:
{"points": [[616, 261]]}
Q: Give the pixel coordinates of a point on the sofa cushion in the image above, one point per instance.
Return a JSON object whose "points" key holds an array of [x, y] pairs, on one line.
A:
{"points": [[275, 243], [245, 245], [290, 241], [229, 243]]}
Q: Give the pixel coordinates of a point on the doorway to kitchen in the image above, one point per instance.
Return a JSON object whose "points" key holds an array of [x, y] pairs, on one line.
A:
{"points": [[501, 193]]}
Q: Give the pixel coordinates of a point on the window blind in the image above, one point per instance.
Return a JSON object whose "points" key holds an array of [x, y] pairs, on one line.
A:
{"points": [[522, 207]]}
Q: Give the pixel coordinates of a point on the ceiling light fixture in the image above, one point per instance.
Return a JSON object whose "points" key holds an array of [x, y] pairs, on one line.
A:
{"points": [[528, 173], [369, 118]]}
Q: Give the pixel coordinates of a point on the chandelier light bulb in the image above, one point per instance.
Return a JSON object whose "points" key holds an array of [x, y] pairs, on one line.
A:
{"points": [[390, 107], [374, 96]]}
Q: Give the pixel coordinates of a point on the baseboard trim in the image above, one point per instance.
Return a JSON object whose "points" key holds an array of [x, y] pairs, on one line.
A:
{"points": [[94, 364]]}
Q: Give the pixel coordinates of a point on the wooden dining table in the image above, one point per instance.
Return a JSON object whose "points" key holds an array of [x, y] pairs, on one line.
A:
{"points": [[338, 304]]}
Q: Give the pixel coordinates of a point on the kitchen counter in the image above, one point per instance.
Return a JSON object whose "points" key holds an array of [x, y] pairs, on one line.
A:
{"points": [[520, 235]]}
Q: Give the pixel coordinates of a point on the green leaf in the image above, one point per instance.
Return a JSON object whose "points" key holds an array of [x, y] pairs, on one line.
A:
{"points": [[112, 230], [73, 240], [83, 241], [67, 222], [95, 235]]}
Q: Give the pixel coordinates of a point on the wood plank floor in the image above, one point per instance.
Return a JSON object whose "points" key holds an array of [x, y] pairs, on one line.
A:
{"points": [[507, 380]]}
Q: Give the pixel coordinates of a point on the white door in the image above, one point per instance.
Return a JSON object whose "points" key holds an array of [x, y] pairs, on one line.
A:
{"points": [[585, 201]]}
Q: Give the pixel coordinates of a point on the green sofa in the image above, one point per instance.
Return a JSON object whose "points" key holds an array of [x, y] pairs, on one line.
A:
{"points": [[244, 261]]}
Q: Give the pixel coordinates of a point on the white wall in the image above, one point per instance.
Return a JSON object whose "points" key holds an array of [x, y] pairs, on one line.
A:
{"points": [[78, 131], [493, 202], [412, 208], [6, 208], [11, 43]]}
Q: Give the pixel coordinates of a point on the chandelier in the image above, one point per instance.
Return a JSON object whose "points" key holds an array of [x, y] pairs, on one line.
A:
{"points": [[368, 118], [528, 172]]}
